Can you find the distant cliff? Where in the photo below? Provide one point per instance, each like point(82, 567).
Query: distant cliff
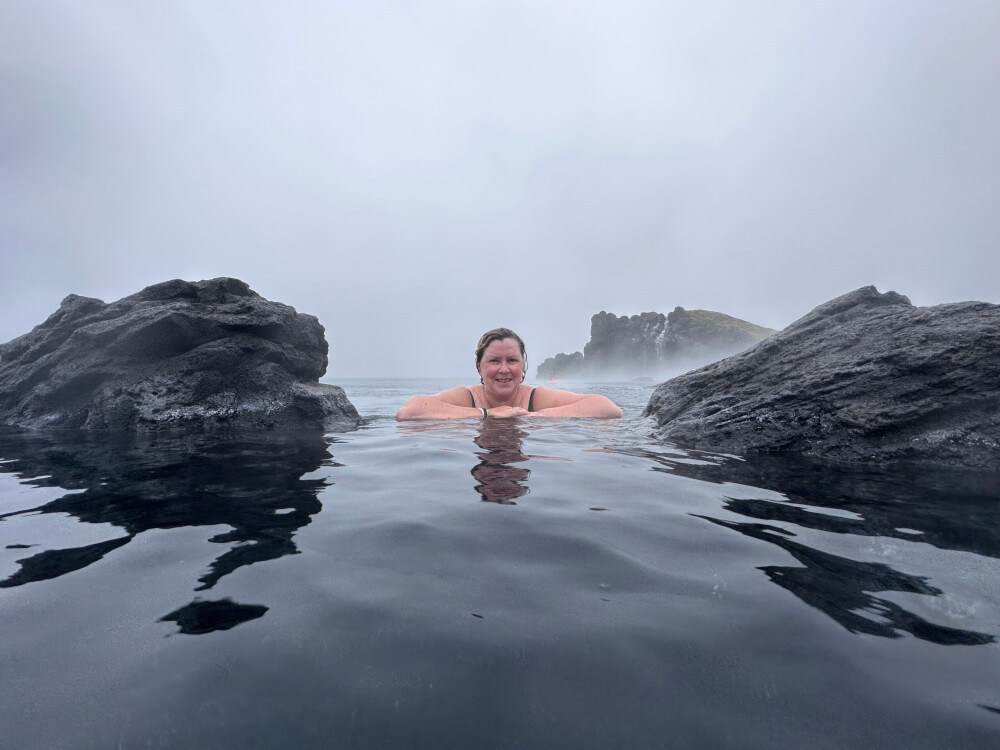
point(653, 344)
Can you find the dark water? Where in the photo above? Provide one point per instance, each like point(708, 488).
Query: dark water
point(508, 584)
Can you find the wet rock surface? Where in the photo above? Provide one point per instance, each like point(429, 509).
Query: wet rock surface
point(864, 377)
point(207, 353)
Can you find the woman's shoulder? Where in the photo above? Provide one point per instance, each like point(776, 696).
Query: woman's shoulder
point(544, 397)
point(460, 395)
point(543, 389)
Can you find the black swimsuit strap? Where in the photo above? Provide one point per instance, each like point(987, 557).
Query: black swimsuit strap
point(472, 398)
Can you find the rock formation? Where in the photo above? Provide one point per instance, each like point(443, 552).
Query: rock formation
point(864, 377)
point(653, 343)
point(207, 353)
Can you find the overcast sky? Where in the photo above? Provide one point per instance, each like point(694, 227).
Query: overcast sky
point(414, 173)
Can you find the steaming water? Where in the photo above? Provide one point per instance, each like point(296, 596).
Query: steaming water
point(525, 583)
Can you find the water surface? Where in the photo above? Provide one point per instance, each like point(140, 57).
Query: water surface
point(503, 583)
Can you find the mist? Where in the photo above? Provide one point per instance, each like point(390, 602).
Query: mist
point(415, 174)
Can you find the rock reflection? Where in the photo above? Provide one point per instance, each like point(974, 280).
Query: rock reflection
point(251, 482)
point(842, 588)
point(201, 617)
point(949, 510)
point(500, 481)
point(952, 510)
point(56, 562)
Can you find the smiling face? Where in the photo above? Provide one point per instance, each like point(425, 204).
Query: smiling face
point(502, 368)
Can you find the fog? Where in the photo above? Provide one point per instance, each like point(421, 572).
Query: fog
point(416, 173)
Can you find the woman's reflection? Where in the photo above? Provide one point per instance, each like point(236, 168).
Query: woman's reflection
point(499, 481)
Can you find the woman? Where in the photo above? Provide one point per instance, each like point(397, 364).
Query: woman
point(501, 361)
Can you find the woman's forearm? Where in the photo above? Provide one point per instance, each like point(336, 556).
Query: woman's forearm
point(429, 407)
point(588, 406)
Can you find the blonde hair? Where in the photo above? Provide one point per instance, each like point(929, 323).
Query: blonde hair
point(498, 334)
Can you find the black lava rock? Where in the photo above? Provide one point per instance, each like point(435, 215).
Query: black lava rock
point(864, 377)
point(206, 353)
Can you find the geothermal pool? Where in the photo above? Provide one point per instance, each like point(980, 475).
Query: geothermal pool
point(529, 583)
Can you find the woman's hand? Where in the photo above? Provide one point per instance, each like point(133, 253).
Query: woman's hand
point(507, 411)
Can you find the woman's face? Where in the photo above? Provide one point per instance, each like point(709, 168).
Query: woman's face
point(502, 366)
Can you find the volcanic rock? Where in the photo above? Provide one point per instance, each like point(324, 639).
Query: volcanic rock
point(206, 353)
point(863, 377)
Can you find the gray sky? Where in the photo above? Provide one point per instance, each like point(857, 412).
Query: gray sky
point(414, 173)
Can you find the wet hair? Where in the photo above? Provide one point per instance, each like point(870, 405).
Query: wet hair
point(498, 334)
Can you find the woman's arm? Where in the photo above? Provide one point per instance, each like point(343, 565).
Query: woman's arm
point(453, 404)
point(450, 404)
point(552, 402)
